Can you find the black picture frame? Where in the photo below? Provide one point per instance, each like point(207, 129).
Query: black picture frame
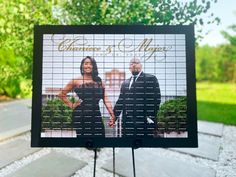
point(190, 141)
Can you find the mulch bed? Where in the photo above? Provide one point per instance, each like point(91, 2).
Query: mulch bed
point(4, 98)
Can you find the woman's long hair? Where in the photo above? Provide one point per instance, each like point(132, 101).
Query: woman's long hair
point(95, 76)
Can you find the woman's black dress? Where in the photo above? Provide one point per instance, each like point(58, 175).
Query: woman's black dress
point(87, 120)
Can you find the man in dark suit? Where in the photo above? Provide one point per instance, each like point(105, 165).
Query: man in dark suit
point(139, 102)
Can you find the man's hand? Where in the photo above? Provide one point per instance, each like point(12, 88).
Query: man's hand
point(149, 120)
point(112, 122)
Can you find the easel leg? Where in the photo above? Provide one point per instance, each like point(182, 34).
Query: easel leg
point(95, 160)
point(133, 162)
point(114, 160)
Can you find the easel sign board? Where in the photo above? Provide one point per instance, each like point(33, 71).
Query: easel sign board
point(114, 86)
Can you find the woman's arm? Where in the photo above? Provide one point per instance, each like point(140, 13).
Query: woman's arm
point(63, 94)
point(108, 105)
point(118, 108)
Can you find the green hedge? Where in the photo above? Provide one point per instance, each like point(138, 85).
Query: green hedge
point(56, 115)
point(172, 115)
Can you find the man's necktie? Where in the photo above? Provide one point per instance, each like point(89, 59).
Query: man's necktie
point(132, 81)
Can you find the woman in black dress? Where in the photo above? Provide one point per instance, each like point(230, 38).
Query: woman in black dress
point(87, 119)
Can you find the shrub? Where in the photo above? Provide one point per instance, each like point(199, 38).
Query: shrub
point(56, 115)
point(172, 115)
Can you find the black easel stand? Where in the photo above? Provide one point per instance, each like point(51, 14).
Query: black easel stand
point(95, 160)
point(134, 172)
point(114, 161)
point(136, 145)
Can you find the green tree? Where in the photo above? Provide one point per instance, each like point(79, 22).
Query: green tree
point(149, 12)
point(218, 63)
point(228, 62)
point(17, 19)
point(12, 81)
point(207, 62)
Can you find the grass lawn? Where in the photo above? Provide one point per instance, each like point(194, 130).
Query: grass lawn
point(216, 102)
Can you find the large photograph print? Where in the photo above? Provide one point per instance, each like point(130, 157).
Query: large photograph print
point(114, 86)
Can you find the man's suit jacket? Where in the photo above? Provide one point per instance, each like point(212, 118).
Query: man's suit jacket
point(139, 105)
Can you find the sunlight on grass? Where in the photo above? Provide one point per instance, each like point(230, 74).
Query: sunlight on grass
point(217, 102)
point(216, 92)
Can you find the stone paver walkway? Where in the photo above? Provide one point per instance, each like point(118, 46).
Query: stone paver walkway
point(15, 150)
point(148, 163)
point(15, 118)
point(208, 148)
point(51, 165)
point(210, 128)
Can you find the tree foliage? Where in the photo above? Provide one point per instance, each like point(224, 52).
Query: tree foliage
point(228, 63)
point(231, 38)
point(148, 12)
point(17, 19)
point(207, 61)
point(12, 80)
point(218, 63)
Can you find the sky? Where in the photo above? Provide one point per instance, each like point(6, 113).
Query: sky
point(226, 11)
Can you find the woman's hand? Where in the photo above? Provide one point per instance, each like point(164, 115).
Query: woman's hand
point(112, 122)
point(76, 104)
